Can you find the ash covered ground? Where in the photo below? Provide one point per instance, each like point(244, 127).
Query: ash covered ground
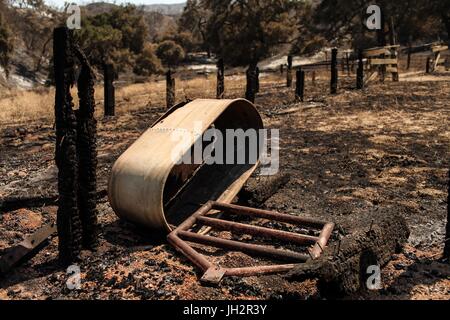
point(351, 155)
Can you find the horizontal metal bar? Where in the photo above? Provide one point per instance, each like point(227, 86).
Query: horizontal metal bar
point(243, 247)
point(198, 259)
point(324, 236)
point(287, 218)
point(258, 231)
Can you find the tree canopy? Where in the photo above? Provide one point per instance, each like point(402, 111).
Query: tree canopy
point(245, 31)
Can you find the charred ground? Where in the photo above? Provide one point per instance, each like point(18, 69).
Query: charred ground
point(350, 156)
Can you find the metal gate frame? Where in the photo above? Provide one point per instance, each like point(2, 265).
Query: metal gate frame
point(213, 274)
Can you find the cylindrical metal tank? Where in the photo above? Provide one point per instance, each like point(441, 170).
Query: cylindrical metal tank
point(149, 188)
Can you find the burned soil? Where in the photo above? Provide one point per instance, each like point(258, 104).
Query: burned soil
point(350, 156)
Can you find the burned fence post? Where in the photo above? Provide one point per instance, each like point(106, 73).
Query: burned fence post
point(282, 69)
point(289, 72)
point(428, 65)
point(447, 233)
point(109, 90)
point(347, 62)
point(220, 78)
point(334, 71)
point(360, 71)
point(257, 80)
point(87, 153)
point(68, 219)
point(393, 41)
point(408, 63)
point(251, 89)
point(170, 89)
point(300, 85)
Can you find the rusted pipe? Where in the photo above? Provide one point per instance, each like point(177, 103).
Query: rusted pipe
point(257, 231)
point(309, 222)
point(243, 247)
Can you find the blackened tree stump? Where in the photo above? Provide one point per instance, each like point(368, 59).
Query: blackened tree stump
point(342, 269)
point(68, 219)
point(87, 154)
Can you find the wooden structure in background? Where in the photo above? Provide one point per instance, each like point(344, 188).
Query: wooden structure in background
point(381, 60)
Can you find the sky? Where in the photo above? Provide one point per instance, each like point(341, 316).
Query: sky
point(60, 3)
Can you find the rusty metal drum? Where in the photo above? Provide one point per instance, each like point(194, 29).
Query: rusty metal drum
point(151, 187)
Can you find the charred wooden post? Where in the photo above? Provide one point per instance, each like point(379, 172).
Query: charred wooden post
point(393, 41)
point(220, 78)
point(87, 154)
point(257, 80)
point(428, 65)
point(250, 92)
point(259, 189)
point(289, 72)
point(110, 100)
point(300, 85)
point(347, 62)
point(408, 63)
point(360, 71)
point(282, 69)
point(334, 71)
point(447, 233)
point(170, 89)
point(313, 77)
point(68, 219)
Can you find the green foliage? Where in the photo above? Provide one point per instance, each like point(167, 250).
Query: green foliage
point(185, 39)
point(117, 36)
point(414, 20)
point(147, 63)
point(170, 53)
point(245, 31)
point(6, 44)
point(193, 20)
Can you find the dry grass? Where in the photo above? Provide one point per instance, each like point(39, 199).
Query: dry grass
point(20, 106)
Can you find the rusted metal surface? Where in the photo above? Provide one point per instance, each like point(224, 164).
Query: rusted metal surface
point(213, 274)
point(26, 248)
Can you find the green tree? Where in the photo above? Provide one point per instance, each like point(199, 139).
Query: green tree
point(419, 20)
point(245, 31)
point(170, 53)
point(6, 45)
point(147, 62)
point(117, 37)
point(194, 20)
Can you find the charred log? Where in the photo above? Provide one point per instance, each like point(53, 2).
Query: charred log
point(87, 154)
point(342, 269)
point(68, 219)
